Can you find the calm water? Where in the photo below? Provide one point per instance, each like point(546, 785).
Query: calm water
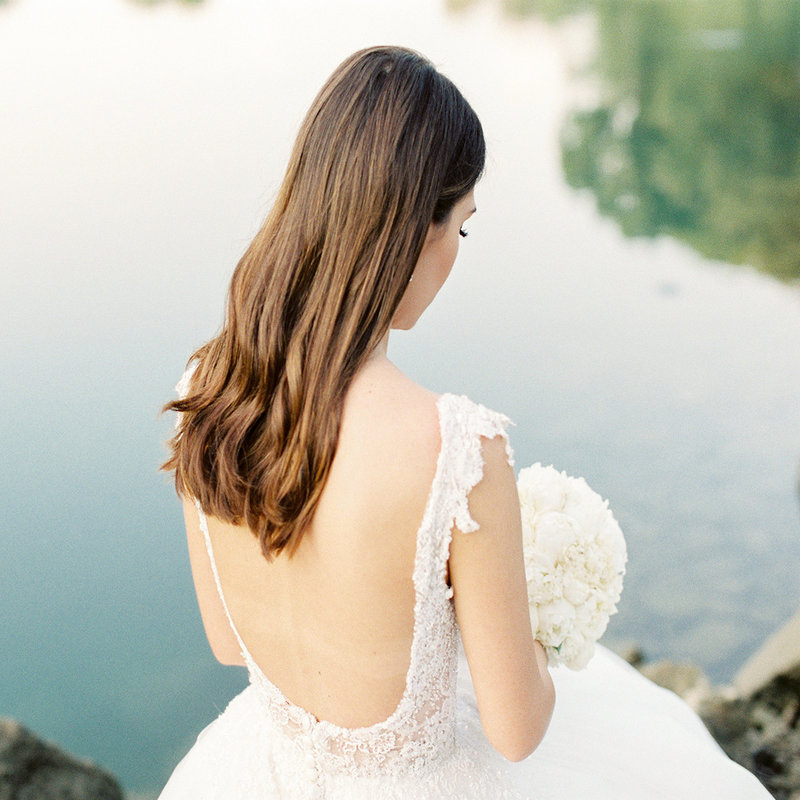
point(140, 146)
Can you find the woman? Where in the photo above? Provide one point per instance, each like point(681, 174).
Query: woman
point(345, 525)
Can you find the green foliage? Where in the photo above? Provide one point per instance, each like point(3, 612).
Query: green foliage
point(160, 2)
point(697, 131)
point(551, 10)
point(459, 5)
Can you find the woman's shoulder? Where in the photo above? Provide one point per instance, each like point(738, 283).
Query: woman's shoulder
point(380, 387)
point(396, 412)
point(385, 411)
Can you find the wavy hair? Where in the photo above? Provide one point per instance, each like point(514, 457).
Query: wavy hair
point(388, 147)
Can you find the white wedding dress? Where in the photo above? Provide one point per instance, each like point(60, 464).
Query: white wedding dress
point(613, 736)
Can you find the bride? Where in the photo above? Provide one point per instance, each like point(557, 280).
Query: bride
point(348, 530)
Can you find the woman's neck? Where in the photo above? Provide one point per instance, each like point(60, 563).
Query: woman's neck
point(382, 348)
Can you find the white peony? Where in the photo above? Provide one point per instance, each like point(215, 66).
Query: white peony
point(575, 558)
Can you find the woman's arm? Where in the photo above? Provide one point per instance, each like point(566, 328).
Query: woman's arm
point(509, 669)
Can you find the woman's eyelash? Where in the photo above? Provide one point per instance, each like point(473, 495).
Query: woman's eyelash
point(462, 232)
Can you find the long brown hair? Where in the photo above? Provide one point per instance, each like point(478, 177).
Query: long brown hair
point(388, 146)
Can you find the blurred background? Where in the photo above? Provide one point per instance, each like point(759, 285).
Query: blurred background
point(628, 294)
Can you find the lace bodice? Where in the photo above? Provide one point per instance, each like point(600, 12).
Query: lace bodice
point(421, 731)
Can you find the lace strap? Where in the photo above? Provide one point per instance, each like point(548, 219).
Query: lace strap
point(460, 468)
point(207, 536)
point(182, 386)
point(464, 423)
point(182, 389)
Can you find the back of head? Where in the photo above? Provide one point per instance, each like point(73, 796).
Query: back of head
point(388, 146)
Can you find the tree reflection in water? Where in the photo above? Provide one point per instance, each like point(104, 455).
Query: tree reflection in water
point(696, 129)
point(4, 3)
point(161, 2)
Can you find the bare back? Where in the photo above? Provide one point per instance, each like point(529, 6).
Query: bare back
point(332, 626)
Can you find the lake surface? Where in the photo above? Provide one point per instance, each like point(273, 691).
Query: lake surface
point(626, 295)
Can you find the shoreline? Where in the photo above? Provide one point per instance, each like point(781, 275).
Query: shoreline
point(756, 718)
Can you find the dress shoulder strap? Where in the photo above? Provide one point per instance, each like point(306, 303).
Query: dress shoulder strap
point(463, 424)
point(459, 469)
point(210, 550)
point(182, 386)
point(182, 389)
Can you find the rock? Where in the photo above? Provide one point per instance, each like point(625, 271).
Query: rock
point(761, 732)
point(31, 769)
point(759, 729)
point(686, 680)
point(631, 653)
point(777, 656)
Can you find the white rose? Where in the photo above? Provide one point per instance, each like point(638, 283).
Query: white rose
point(574, 562)
point(541, 490)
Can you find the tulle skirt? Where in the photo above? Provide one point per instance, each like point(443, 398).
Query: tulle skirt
point(614, 736)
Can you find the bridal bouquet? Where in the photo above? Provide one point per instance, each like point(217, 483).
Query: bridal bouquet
point(574, 562)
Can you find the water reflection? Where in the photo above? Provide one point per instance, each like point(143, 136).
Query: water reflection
point(162, 2)
point(551, 10)
point(694, 125)
point(5, 3)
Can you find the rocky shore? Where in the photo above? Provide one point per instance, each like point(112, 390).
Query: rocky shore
point(756, 720)
point(32, 769)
